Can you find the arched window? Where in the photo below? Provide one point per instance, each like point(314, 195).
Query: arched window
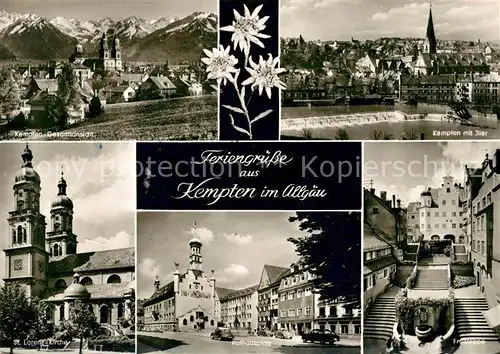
point(104, 314)
point(25, 239)
point(191, 318)
point(56, 250)
point(86, 281)
point(120, 310)
point(14, 240)
point(61, 312)
point(185, 322)
point(19, 234)
point(211, 322)
point(114, 279)
point(60, 283)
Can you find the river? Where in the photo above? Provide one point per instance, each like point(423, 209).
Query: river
point(483, 128)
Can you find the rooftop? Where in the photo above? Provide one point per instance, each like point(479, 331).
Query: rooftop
point(90, 261)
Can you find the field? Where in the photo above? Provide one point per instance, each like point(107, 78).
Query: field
point(187, 118)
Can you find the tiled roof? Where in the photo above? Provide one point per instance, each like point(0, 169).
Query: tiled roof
point(96, 291)
point(128, 77)
point(163, 292)
point(274, 273)
point(46, 84)
point(378, 264)
point(100, 260)
point(162, 82)
point(454, 59)
point(223, 292)
point(427, 79)
point(371, 243)
point(239, 293)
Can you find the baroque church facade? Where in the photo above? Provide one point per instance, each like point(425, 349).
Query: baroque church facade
point(109, 58)
point(46, 264)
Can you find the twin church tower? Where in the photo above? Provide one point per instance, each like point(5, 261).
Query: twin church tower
point(30, 247)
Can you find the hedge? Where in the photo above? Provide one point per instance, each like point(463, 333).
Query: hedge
point(114, 344)
point(461, 281)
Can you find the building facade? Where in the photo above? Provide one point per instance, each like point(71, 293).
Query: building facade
point(413, 222)
point(188, 302)
point(268, 306)
point(46, 263)
point(300, 311)
point(239, 309)
point(441, 212)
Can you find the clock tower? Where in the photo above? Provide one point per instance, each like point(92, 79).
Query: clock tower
point(26, 258)
point(61, 240)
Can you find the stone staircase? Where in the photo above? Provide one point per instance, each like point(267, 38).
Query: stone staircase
point(379, 322)
point(431, 279)
point(469, 320)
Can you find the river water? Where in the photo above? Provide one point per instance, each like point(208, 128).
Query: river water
point(483, 128)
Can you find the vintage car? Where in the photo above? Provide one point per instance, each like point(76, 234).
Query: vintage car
point(320, 335)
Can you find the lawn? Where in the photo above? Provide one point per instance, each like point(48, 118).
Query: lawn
point(187, 118)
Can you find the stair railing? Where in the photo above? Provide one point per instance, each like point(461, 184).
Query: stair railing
point(448, 268)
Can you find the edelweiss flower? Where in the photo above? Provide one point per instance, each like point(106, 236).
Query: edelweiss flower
point(220, 65)
point(247, 29)
point(265, 75)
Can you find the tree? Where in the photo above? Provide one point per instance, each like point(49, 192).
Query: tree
point(44, 327)
point(82, 321)
point(17, 315)
point(10, 98)
point(332, 251)
point(342, 134)
point(95, 107)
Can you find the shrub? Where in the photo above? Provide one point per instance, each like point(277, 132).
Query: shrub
point(405, 308)
point(460, 263)
point(114, 344)
point(462, 281)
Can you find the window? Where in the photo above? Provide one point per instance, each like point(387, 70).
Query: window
point(453, 213)
point(443, 214)
point(114, 279)
point(308, 311)
point(443, 202)
point(386, 273)
point(61, 283)
point(444, 226)
point(453, 202)
point(374, 210)
point(86, 281)
point(322, 312)
point(290, 296)
point(344, 329)
point(299, 312)
point(436, 226)
point(283, 313)
point(428, 213)
point(307, 292)
point(283, 297)
point(453, 226)
point(291, 312)
point(436, 213)
point(299, 293)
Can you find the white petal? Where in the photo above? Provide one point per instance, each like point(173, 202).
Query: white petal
point(261, 61)
point(261, 88)
point(252, 63)
point(262, 21)
point(247, 11)
point(262, 35)
point(268, 91)
point(248, 81)
point(236, 14)
point(207, 53)
point(255, 12)
point(228, 28)
point(206, 61)
point(257, 41)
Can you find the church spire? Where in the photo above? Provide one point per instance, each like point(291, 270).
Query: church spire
point(430, 35)
point(27, 157)
point(62, 184)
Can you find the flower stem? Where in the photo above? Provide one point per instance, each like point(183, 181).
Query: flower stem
point(243, 106)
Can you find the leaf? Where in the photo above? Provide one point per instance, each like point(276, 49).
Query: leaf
point(262, 115)
point(234, 109)
point(241, 130)
point(243, 91)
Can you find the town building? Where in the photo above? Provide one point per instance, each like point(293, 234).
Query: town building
point(46, 264)
point(188, 302)
point(379, 264)
point(413, 222)
point(268, 305)
point(441, 212)
point(428, 88)
point(479, 89)
point(108, 59)
point(239, 309)
point(300, 311)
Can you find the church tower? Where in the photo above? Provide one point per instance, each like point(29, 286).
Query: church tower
point(195, 254)
point(26, 258)
point(116, 53)
point(61, 240)
point(104, 50)
point(430, 45)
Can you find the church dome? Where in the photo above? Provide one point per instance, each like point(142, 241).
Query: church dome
point(62, 201)
point(426, 193)
point(76, 291)
point(194, 241)
point(27, 174)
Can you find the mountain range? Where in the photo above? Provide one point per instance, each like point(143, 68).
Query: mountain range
point(34, 37)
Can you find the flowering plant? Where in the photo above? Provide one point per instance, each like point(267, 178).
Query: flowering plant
point(263, 73)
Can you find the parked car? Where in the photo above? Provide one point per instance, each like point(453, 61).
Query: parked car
point(320, 335)
point(283, 334)
point(265, 333)
point(223, 334)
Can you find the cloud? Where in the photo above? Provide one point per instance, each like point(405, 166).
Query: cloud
point(238, 239)
point(398, 12)
point(205, 235)
point(236, 271)
point(120, 240)
point(149, 268)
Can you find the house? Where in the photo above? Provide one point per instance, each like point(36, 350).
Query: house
point(157, 87)
point(127, 78)
point(188, 88)
point(36, 85)
point(120, 93)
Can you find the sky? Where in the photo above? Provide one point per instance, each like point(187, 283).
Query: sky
point(368, 19)
point(100, 184)
point(236, 245)
point(84, 10)
point(406, 169)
